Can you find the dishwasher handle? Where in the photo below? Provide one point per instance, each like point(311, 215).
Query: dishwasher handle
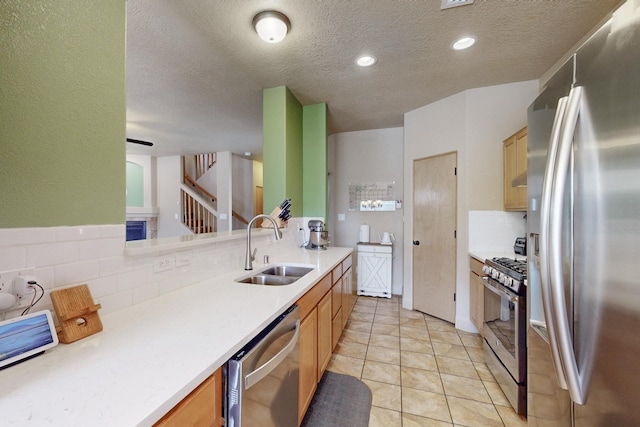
point(258, 374)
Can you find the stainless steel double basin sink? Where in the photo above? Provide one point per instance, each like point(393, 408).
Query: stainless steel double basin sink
point(276, 275)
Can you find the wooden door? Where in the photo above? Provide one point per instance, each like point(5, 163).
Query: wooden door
point(434, 235)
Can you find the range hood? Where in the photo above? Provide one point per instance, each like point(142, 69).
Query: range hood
point(520, 180)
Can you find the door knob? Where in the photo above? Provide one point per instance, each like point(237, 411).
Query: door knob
point(416, 242)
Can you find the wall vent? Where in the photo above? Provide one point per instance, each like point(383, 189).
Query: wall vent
point(446, 4)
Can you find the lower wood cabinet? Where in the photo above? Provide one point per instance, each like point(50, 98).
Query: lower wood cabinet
point(325, 344)
point(347, 295)
point(476, 294)
point(201, 408)
point(322, 311)
point(308, 368)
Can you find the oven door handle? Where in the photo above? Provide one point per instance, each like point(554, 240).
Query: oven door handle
point(500, 292)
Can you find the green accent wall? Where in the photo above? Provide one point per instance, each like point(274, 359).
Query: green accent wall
point(135, 185)
point(314, 160)
point(294, 153)
point(282, 149)
point(63, 112)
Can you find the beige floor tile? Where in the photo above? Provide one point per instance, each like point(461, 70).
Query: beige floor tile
point(351, 349)
point(356, 325)
point(442, 326)
point(410, 420)
point(385, 341)
point(362, 316)
point(446, 337)
point(383, 354)
point(424, 361)
point(363, 308)
point(417, 333)
point(471, 340)
point(411, 314)
point(418, 346)
point(450, 350)
point(421, 379)
point(465, 387)
point(382, 329)
point(370, 301)
point(412, 322)
point(425, 404)
point(382, 372)
point(356, 336)
point(386, 320)
point(483, 371)
point(475, 354)
point(461, 368)
point(388, 396)
point(380, 417)
point(471, 413)
point(346, 365)
point(510, 418)
point(496, 394)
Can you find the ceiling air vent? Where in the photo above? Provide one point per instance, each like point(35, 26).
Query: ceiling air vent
point(446, 4)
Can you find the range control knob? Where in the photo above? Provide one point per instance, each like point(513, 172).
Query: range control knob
point(486, 269)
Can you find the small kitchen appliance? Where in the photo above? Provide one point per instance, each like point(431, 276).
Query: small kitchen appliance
point(364, 233)
point(386, 238)
point(318, 236)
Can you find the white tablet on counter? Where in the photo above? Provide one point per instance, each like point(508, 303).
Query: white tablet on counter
point(24, 337)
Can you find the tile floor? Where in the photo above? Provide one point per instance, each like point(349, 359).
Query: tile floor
point(420, 369)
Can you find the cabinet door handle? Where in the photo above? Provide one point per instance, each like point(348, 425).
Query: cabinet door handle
point(416, 242)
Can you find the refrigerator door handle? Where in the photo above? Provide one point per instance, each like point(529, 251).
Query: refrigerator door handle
point(558, 303)
point(258, 374)
point(545, 280)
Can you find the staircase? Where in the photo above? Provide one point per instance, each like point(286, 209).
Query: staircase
point(198, 208)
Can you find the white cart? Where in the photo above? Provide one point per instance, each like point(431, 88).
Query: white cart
point(374, 269)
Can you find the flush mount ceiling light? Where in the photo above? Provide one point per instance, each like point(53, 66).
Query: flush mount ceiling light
point(366, 61)
point(464, 43)
point(271, 26)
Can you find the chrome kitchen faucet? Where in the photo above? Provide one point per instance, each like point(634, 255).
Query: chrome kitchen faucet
point(250, 257)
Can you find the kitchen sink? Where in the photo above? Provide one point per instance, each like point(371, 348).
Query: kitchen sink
point(264, 279)
point(277, 275)
point(287, 270)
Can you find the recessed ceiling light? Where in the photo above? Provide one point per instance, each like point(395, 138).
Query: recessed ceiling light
point(464, 43)
point(366, 61)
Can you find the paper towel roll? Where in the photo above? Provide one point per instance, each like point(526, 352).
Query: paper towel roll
point(364, 233)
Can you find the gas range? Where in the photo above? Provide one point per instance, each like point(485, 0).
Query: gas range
point(511, 273)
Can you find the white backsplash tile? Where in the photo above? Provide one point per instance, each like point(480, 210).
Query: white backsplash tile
point(495, 231)
point(93, 254)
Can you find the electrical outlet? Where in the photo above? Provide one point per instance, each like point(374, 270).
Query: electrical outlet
point(183, 258)
point(6, 285)
point(163, 263)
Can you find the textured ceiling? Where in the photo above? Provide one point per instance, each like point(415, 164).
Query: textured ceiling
point(196, 68)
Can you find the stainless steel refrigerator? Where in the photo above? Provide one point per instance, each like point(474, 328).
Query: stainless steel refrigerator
point(584, 235)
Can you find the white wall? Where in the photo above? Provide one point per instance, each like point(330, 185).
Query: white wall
point(168, 178)
point(473, 123)
point(362, 157)
point(242, 188)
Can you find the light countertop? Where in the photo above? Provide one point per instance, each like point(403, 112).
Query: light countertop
point(150, 356)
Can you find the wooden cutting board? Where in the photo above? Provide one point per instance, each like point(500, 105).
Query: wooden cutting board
point(76, 312)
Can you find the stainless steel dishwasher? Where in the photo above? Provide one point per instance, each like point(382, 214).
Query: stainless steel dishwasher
point(262, 379)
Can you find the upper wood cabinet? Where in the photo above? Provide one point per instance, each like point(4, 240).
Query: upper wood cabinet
point(515, 164)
